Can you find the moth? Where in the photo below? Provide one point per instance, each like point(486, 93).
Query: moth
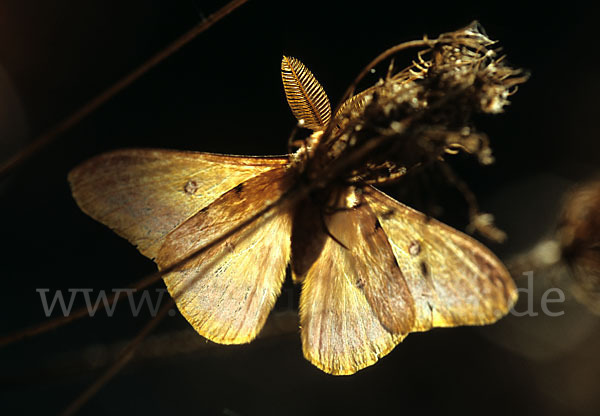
point(224, 229)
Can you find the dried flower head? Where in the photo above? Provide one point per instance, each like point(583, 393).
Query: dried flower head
point(418, 114)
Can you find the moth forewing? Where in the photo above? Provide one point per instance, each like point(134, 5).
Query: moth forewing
point(157, 199)
point(341, 332)
point(371, 262)
point(227, 291)
point(355, 306)
point(144, 194)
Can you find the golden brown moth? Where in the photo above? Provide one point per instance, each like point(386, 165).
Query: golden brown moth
point(225, 228)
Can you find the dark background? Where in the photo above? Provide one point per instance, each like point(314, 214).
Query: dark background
point(222, 93)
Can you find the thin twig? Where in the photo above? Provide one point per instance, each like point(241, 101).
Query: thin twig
point(382, 56)
point(78, 313)
point(377, 60)
point(123, 359)
point(51, 135)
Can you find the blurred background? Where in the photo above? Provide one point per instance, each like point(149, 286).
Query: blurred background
point(222, 93)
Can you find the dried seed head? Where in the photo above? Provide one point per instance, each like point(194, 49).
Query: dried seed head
point(418, 114)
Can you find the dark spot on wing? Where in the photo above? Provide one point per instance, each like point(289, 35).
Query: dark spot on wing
point(424, 269)
point(238, 189)
point(360, 283)
point(191, 187)
point(414, 248)
point(387, 213)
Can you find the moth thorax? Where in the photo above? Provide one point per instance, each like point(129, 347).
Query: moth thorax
point(306, 149)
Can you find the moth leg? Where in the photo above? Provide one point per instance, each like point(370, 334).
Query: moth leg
point(293, 143)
